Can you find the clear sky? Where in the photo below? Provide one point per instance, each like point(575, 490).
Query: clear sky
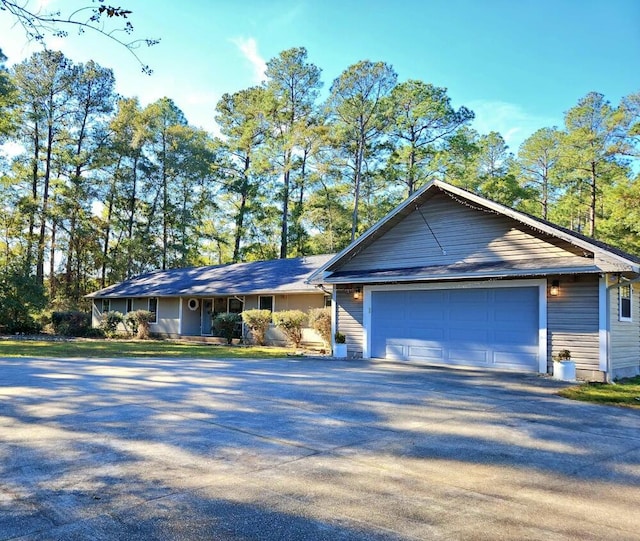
point(519, 64)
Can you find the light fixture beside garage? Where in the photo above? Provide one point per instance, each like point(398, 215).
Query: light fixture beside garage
point(554, 290)
point(357, 292)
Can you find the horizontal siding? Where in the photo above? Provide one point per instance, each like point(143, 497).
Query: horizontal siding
point(625, 335)
point(350, 321)
point(573, 321)
point(465, 235)
point(168, 316)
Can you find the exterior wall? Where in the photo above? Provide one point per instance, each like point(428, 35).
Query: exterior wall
point(624, 335)
point(191, 319)
point(465, 234)
point(573, 323)
point(349, 320)
point(96, 312)
point(168, 317)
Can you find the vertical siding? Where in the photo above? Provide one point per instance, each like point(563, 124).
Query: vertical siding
point(464, 234)
point(350, 320)
point(625, 335)
point(573, 321)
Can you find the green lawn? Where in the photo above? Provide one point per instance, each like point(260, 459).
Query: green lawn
point(133, 348)
point(623, 393)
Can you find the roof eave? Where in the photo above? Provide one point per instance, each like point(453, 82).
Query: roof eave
point(461, 276)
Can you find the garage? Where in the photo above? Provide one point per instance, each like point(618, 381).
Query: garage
point(484, 326)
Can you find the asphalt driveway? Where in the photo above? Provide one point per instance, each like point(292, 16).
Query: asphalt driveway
point(306, 449)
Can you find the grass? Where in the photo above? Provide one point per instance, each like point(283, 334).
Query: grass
point(625, 393)
point(134, 348)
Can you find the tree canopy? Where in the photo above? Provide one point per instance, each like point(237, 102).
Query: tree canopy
point(105, 188)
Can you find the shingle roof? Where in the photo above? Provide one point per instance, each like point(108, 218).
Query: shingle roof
point(275, 276)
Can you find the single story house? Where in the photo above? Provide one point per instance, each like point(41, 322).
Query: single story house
point(186, 300)
point(449, 277)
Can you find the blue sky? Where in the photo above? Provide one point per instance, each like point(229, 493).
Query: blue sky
point(519, 64)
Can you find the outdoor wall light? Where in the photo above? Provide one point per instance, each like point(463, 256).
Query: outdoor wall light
point(357, 291)
point(554, 290)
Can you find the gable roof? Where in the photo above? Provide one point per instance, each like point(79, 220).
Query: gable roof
point(331, 272)
point(260, 277)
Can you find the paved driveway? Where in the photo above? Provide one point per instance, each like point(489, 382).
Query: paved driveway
point(306, 449)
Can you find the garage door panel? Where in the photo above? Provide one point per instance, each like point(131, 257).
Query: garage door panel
point(468, 356)
point(432, 354)
point(477, 327)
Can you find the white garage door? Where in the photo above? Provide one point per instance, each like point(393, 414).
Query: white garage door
point(475, 327)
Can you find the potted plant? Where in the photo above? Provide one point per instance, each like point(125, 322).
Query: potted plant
point(564, 368)
point(340, 346)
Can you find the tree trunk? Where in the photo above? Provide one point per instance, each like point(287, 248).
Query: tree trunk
point(356, 189)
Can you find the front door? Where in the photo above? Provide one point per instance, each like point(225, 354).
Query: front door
point(207, 319)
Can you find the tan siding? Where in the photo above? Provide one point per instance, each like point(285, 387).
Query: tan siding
point(573, 321)
point(625, 335)
point(465, 234)
point(298, 302)
point(168, 316)
point(349, 321)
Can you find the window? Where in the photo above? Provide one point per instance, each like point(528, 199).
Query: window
point(624, 303)
point(265, 302)
point(235, 305)
point(106, 305)
point(129, 305)
point(153, 308)
point(327, 301)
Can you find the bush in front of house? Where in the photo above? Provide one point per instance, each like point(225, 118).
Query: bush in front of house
point(320, 321)
point(291, 322)
point(110, 321)
point(258, 322)
point(225, 324)
point(71, 323)
point(139, 322)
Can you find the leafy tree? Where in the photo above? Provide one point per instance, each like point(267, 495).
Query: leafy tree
point(8, 99)
point(21, 299)
point(590, 152)
point(497, 180)
point(537, 160)
point(356, 109)
point(294, 84)
point(242, 120)
point(422, 120)
point(44, 83)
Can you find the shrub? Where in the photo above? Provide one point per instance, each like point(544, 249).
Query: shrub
point(320, 321)
point(291, 323)
point(21, 299)
point(225, 323)
point(72, 323)
point(340, 338)
point(258, 322)
point(139, 321)
point(110, 322)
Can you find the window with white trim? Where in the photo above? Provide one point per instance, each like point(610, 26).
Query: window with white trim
point(106, 305)
point(153, 308)
point(265, 302)
point(624, 303)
